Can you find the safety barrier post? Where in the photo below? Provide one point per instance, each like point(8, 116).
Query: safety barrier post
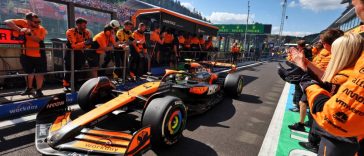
point(73, 71)
point(126, 55)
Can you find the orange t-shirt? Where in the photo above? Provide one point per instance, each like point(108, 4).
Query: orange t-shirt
point(202, 41)
point(103, 41)
point(187, 42)
point(155, 37)
point(168, 38)
point(235, 49)
point(208, 45)
point(195, 40)
point(75, 39)
point(181, 40)
point(40, 32)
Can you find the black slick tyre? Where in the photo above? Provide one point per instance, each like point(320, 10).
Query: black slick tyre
point(167, 118)
point(233, 85)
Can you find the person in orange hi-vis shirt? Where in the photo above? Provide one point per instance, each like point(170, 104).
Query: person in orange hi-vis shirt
point(33, 58)
point(235, 49)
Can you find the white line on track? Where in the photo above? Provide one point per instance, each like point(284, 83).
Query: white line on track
point(270, 143)
point(32, 117)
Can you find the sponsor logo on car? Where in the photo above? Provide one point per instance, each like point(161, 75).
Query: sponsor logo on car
point(23, 107)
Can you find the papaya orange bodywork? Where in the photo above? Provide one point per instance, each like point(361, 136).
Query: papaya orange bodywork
point(108, 133)
point(199, 90)
point(135, 142)
point(60, 122)
point(118, 102)
point(98, 147)
point(103, 140)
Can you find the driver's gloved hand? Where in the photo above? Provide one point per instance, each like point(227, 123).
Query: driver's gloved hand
point(291, 75)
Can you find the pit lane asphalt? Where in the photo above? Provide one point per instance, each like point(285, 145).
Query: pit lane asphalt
point(233, 127)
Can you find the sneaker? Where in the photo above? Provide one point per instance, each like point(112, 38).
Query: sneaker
point(309, 146)
point(307, 124)
point(27, 91)
point(66, 89)
point(295, 109)
point(38, 93)
point(297, 126)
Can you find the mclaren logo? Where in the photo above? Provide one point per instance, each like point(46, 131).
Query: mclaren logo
point(107, 141)
point(143, 138)
point(341, 117)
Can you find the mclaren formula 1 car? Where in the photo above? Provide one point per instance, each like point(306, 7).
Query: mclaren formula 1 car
point(162, 103)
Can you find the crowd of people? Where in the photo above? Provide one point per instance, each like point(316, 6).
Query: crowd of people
point(122, 12)
point(329, 82)
point(142, 49)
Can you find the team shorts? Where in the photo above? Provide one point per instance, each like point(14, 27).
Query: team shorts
point(93, 59)
point(33, 64)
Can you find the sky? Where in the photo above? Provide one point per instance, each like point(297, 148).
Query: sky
point(304, 16)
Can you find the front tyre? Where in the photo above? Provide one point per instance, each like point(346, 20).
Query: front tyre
point(167, 118)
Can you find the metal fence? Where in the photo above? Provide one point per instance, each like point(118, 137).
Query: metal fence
point(55, 57)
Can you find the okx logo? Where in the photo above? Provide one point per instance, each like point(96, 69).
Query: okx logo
point(341, 117)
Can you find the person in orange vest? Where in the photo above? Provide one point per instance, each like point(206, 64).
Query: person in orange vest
point(187, 46)
point(156, 43)
point(317, 47)
point(140, 60)
point(33, 59)
point(110, 55)
point(78, 39)
point(334, 118)
point(181, 43)
point(168, 53)
point(103, 41)
point(235, 49)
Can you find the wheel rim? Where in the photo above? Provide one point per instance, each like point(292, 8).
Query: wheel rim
point(174, 124)
point(240, 86)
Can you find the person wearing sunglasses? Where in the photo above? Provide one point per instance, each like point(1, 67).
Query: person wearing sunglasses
point(33, 58)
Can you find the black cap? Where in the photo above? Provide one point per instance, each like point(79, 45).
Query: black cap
point(81, 20)
point(127, 22)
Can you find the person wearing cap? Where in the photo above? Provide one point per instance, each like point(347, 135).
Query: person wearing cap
point(124, 36)
point(33, 58)
point(102, 42)
point(78, 38)
point(139, 55)
point(109, 55)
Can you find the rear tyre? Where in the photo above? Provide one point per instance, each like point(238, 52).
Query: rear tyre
point(95, 91)
point(167, 118)
point(234, 85)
